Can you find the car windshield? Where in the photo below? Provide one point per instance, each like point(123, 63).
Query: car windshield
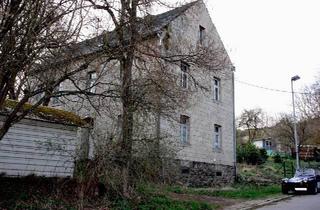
point(304, 172)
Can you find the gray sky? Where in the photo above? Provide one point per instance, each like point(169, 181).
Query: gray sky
point(269, 41)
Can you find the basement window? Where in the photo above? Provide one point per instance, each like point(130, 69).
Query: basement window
point(185, 170)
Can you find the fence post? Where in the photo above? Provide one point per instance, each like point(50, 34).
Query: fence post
point(284, 169)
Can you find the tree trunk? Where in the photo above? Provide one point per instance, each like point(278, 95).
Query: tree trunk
point(127, 121)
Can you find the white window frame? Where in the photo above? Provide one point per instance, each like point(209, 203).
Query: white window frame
point(184, 129)
point(216, 89)
point(184, 67)
point(91, 80)
point(217, 136)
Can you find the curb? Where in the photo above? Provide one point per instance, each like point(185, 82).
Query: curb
point(267, 202)
point(250, 205)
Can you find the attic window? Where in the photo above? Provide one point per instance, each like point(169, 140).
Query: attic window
point(201, 34)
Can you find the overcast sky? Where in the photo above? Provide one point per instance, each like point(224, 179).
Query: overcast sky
point(269, 41)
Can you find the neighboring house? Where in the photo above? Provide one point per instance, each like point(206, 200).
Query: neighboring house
point(204, 131)
point(266, 143)
point(307, 152)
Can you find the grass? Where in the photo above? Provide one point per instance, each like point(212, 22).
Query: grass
point(155, 197)
point(237, 192)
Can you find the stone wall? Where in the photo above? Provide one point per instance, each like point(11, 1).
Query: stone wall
point(203, 110)
point(200, 174)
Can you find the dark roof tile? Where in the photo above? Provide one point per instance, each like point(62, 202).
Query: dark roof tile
point(149, 25)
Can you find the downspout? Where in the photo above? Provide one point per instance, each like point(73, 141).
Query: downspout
point(234, 127)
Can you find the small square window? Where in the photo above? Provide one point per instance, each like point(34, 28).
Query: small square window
point(185, 170)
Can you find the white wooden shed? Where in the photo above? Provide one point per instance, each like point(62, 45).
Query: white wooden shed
point(38, 147)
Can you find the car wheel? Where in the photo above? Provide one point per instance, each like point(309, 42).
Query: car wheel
point(315, 190)
point(284, 190)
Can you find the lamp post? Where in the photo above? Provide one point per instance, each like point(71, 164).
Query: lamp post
point(295, 78)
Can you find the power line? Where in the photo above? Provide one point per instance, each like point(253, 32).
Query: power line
point(272, 89)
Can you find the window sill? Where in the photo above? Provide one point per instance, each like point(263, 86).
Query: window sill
point(217, 102)
point(187, 144)
point(218, 150)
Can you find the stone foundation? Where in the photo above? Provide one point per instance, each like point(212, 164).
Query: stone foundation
point(200, 174)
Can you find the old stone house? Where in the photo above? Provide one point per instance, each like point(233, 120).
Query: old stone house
point(203, 131)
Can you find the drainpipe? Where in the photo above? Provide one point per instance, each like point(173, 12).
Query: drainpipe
point(234, 126)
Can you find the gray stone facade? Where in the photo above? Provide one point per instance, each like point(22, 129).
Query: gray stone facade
point(201, 163)
point(201, 174)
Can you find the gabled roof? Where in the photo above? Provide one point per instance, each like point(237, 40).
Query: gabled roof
point(148, 26)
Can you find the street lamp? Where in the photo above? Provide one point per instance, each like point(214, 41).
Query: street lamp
point(295, 78)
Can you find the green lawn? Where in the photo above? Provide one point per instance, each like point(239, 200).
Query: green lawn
point(237, 192)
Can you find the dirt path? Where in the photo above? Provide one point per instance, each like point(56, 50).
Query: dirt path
point(223, 202)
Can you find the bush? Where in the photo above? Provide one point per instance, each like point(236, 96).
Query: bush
point(263, 155)
point(240, 154)
point(277, 158)
point(250, 154)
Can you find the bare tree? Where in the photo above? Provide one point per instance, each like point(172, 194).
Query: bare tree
point(35, 40)
point(252, 121)
point(309, 101)
point(147, 70)
point(309, 109)
point(283, 131)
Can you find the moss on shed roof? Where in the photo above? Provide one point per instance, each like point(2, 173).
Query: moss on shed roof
point(51, 114)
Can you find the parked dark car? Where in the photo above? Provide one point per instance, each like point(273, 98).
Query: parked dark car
point(304, 180)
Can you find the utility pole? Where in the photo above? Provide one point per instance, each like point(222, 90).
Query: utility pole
point(295, 78)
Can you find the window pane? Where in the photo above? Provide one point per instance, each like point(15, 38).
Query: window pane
point(216, 93)
point(92, 77)
point(201, 34)
point(184, 80)
point(184, 76)
point(184, 128)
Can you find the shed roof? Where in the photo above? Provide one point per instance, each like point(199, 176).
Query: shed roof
point(49, 114)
